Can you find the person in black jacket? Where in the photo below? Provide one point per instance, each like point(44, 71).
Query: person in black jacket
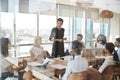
point(117, 52)
point(57, 36)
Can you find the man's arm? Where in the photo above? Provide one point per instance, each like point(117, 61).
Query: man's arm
point(68, 71)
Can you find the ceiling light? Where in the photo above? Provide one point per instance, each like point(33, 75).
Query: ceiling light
point(106, 14)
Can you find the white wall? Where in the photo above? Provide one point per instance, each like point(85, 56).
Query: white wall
point(115, 26)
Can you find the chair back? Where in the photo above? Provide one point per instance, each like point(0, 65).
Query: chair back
point(88, 53)
point(107, 74)
point(78, 76)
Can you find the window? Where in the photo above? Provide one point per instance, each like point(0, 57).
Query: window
point(46, 23)
point(77, 26)
point(89, 35)
point(105, 27)
point(96, 29)
point(7, 23)
point(26, 28)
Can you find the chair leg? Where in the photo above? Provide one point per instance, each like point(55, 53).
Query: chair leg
point(115, 77)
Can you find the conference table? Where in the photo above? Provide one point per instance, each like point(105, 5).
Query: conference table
point(56, 67)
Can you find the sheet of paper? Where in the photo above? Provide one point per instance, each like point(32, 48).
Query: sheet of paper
point(58, 66)
point(38, 64)
point(14, 61)
point(45, 61)
point(34, 64)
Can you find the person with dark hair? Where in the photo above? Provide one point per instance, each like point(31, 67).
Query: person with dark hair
point(101, 41)
point(6, 68)
point(109, 51)
point(57, 36)
point(117, 55)
point(79, 63)
point(5, 44)
point(79, 39)
point(46, 54)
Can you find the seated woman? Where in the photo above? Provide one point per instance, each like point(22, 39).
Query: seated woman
point(101, 41)
point(37, 52)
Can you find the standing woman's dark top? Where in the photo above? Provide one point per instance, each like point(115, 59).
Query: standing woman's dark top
point(57, 36)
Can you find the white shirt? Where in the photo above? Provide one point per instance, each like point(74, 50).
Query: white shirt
point(38, 52)
point(4, 64)
point(79, 64)
point(118, 52)
point(98, 45)
point(108, 61)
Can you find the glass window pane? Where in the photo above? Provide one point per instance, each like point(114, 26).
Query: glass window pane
point(7, 25)
point(77, 26)
point(46, 23)
point(47, 47)
point(26, 28)
point(23, 51)
point(89, 35)
point(67, 25)
point(96, 29)
point(105, 29)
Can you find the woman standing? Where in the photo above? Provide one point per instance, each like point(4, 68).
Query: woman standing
point(56, 36)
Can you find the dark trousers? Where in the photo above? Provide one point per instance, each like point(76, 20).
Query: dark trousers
point(6, 74)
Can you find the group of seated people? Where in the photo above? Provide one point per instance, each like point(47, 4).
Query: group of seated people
point(78, 64)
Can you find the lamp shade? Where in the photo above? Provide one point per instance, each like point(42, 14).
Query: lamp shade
point(106, 14)
point(82, 2)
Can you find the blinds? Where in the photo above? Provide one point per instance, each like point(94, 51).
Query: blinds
point(75, 11)
point(105, 20)
point(70, 11)
point(79, 12)
point(24, 6)
point(43, 7)
point(66, 11)
point(92, 13)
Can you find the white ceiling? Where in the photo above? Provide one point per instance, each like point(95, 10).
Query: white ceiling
point(113, 5)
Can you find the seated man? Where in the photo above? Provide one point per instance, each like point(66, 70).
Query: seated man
point(109, 50)
point(117, 55)
point(79, 63)
point(97, 74)
point(79, 39)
